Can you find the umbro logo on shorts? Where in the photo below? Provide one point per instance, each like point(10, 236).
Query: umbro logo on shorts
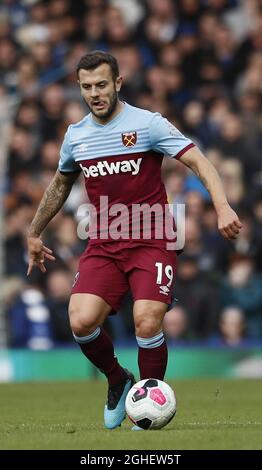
point(164, 290)
point(104, 168)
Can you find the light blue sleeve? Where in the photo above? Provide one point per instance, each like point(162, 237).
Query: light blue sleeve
point(66, 162)
point(166, 138)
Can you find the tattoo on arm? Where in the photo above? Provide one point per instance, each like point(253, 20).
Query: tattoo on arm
point(52, 201)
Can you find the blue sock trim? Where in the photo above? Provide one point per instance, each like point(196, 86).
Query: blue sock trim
point(150, 343)
point(88, 338)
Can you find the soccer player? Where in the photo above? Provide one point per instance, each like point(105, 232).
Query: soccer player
point(119, 149)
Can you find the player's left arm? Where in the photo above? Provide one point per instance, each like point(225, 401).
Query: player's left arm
point(229, 224)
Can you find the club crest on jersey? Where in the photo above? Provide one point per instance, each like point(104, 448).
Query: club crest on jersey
point(129, 138)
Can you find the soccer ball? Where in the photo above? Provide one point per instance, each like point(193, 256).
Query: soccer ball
point(151, 404)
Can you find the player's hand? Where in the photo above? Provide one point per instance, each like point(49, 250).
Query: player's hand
point(37, 253)
point(229, 224)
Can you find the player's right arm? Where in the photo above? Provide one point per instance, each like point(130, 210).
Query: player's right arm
point(52, 201)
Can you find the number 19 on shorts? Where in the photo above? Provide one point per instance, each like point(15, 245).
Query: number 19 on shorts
point(165, 271)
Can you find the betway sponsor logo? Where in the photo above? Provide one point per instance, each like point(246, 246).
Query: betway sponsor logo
point(104, 168)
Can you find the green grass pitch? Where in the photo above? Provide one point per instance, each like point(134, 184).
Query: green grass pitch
point(211, 414)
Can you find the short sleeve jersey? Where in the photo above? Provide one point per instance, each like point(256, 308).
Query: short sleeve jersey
point(122, 159)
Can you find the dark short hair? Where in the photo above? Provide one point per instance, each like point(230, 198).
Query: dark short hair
point(92, 60)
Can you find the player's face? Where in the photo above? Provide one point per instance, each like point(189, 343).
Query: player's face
point(100, 91)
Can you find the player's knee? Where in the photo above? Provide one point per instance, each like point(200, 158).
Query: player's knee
point(81, 323)
point(80, 328)
point(147, 327)
point(148, 323)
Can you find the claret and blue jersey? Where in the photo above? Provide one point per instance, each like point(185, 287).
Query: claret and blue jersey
point(122, 159)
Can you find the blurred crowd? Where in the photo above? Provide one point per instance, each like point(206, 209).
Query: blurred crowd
point(199, 63)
